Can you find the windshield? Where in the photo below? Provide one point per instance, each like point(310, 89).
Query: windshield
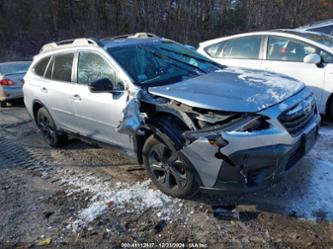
point(160, 63)
point(317, 37)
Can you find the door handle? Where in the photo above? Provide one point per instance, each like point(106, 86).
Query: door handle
point(43, 90)
point(77, 97)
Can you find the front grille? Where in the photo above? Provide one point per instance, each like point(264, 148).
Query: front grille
point(297, 117)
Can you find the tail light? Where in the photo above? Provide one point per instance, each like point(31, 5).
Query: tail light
point(6, 82)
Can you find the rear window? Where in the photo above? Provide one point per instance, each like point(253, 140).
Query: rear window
point(39, 69)
point(62, 67)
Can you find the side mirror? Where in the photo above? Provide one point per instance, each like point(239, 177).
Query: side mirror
point(312, 59)
point(101, 86)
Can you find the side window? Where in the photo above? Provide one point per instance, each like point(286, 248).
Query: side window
point(39, 69)
point(325, 29)
point(285, 49)
point(92, 67)
point(215, 50)
point(238, 48)
point(62, 67)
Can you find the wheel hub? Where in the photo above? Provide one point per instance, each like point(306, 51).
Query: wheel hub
point(167, 167)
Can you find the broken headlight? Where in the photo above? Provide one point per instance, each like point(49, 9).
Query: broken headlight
point(242, 123)
point(256, 123)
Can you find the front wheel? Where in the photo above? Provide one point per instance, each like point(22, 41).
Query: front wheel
point(47, 126)
point(166, 169)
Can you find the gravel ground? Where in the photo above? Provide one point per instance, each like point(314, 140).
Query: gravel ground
point(82, 196)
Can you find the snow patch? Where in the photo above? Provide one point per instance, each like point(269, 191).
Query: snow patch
point(141, 197)
point(122, 196)
point(326, 131)
point(307, 191)
point(88, 214)
point(315, 201)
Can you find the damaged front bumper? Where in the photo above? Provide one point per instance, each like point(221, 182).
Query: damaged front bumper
point(249, 161)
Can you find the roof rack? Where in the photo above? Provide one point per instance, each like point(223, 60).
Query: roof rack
point(143, 35)
point(71, 42)
point(135, 35)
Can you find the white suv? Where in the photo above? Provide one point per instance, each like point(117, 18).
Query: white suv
point(191, 122)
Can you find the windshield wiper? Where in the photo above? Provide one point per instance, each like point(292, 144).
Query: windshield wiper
point(190, 56)
point(173, 59)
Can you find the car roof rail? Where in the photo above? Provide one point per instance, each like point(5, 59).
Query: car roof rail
point(69, 42)
point(144, 35)
point(135, 35)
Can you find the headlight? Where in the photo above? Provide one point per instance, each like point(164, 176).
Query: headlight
point(255, 124)
point(244, 123)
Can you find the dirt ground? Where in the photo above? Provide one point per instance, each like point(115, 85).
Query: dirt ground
point(83, 196)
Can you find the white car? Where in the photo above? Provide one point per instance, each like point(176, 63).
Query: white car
point(192, 124)
point(306, 56)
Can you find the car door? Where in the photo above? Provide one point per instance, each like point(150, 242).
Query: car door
point(98, 114)
point(55, 88)
point(285, 55)
point(238, 52)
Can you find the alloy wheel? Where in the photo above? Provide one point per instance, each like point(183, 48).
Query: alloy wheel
point(168, 169)
point(46, 128)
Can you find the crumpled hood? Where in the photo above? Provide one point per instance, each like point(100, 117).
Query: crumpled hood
point(232, 89)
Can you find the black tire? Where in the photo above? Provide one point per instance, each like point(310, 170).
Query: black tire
point(166, 169)
point(47, 126)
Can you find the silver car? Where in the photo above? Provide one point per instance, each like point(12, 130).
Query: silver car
point(192, 123)
point(11, 80)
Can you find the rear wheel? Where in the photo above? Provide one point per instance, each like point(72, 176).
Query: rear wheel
point(169, 172)
point(47, 126)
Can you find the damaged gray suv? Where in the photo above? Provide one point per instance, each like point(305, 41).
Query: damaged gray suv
point(192, 123)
